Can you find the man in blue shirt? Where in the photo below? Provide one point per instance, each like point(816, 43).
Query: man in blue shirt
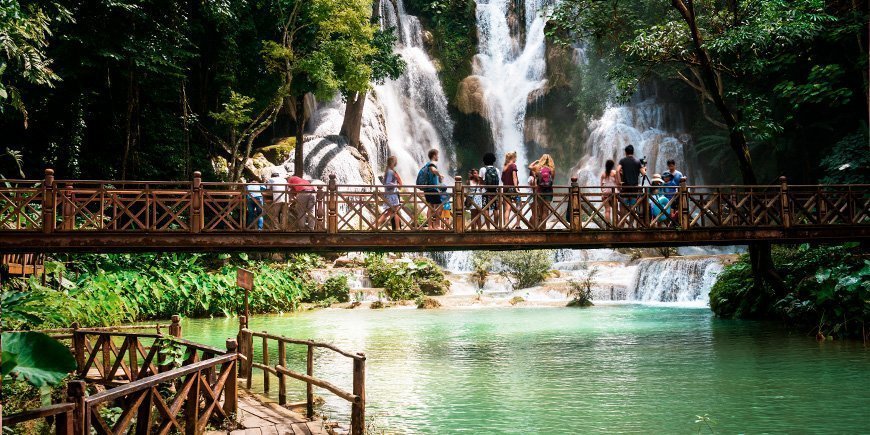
point(671, 179)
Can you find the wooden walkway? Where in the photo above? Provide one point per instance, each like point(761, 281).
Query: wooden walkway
point(262, 416)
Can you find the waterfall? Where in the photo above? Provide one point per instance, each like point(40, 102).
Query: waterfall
point(675, 279)
point(509, 70)
point(644, 125)
point(414, 105)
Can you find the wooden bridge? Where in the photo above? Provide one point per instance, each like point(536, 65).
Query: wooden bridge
point(80, 215)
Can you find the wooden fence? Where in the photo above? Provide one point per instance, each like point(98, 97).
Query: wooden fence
point(155, 393)
point(278, 368)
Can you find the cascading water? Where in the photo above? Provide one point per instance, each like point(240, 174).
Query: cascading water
point(509, 70)
point(676, 279)
point(415, 107)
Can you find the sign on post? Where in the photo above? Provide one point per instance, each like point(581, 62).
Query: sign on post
point(245, 280)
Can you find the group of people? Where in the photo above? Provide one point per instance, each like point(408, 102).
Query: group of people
point(486, 185)
point(626, 178)
point(292, 206)
point(497, 197)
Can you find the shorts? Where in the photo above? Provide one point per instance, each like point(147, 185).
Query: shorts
point(433, 198)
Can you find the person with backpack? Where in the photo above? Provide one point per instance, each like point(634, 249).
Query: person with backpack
point(430, 177)
point(545, 174)
point(490, 175)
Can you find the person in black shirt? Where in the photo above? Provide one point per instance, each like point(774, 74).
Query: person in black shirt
point(629, 172)
point(630, 169)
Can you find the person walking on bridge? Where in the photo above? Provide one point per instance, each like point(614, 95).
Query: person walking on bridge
point(392, 182)
point(430, 177)
point(304, 194)
point(545, 174)
point(510, 180)
point(609, 187)
point(255, 203)
point(278, 186)
point(490, 175)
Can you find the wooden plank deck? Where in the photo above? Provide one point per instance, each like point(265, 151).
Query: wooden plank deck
point(261, 416)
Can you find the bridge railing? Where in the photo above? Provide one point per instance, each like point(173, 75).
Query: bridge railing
point(206, 207)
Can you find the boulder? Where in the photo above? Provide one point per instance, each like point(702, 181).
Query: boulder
point(470, 97)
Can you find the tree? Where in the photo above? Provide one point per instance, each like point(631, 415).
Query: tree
point(384, 64)
point(24, 36)
point(719, 50)
point(321, 49)
point(242, 128)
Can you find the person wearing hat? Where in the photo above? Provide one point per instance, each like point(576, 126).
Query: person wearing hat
point(660, 204)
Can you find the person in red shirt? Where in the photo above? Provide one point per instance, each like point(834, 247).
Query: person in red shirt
point(303, 194)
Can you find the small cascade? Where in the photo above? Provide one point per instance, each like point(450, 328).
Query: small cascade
point(675, 279)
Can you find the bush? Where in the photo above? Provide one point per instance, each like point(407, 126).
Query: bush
point(406, 280)
point(525, 268)
point(516, 300)
point(830, 290)
point(113, 289)
point(335, 288)
point(581, 291)
point(427, 303)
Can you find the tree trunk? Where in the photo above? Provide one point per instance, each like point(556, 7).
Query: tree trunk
point(760, 256)
point(299, 152)
point(352, 124)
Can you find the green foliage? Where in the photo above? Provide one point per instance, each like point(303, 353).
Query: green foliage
point(454, 37)
point(36, 358)
point(113, 289)
point(406, 279)
point(848, 162)
point(581, 291)
point(335, 288)
point(789, 73)
point(174, 353)
point(524, 268)
point(830, 290)
point(25, 30)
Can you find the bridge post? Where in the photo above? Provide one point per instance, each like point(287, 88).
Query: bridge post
point(67, 209)
point(685, 217)
point(458, 206)
point(331, 206)
point(574, 204)
point(196, 203)
point(231, 387)
point(783, 202)
point(48, 199)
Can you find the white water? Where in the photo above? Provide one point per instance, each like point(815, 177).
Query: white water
point(675, 279)
point(643, 125)
point(414, 105)
point(509, 69)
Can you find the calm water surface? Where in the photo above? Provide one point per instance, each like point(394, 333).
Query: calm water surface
point(607, 369)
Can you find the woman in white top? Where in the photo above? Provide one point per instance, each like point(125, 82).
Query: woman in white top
point(609, 188)
point(392, 182)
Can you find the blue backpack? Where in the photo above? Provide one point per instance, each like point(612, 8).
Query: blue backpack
point(427, 178)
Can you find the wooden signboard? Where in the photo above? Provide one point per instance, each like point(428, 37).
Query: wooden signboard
point(245, 279)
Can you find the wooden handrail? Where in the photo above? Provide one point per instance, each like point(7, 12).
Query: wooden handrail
point(33, 414)
point(151, 381)
point(319, 383)
point(279, 369)
point(305, 342)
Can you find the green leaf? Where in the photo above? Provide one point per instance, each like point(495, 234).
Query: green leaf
point(10, 360)
point(39, 359)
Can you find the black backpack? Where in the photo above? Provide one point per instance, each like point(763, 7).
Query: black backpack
point(490, 178)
